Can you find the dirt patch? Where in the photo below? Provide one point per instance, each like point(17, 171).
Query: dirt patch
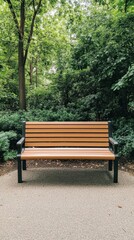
point(127, 166)
point(7, 167)
point(124, 165)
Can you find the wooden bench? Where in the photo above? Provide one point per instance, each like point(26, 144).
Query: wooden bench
point(67, 140)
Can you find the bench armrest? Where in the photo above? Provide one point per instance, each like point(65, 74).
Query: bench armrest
point(20, 144)
point(113, 145)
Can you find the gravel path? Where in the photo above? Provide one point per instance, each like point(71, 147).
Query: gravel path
point(66, 204)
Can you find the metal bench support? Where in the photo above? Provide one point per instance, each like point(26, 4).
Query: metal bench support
point(116, 170)
point(24, 165)
point(19, 171)
point(110, 165)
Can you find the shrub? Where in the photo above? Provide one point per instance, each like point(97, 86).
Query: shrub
point(6, 139)
point(41, 98)
point(124, 134)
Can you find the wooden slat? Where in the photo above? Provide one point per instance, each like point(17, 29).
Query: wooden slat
point(80, 126)
point(97, 135)
point(67, 153)
point(69, 139)
point(58, 134)
point(55, 149)
point(69, 123)
point(96, 130)
point(66, 144)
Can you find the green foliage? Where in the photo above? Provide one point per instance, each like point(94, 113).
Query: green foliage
point(126, 80)
point(103, 59)
point(10, 121)
point(80, 66)
point(8, 57)
point(120, 5)
point(42, 98)
point(125, 136)
point(6, 139)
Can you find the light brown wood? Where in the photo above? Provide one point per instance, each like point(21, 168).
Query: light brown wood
point(70, 126)
point(101, 149)
point(62, 130)
point(67, 139)
point(68, 122)
point(68, 153)
point(41, 135)
point(66, 144)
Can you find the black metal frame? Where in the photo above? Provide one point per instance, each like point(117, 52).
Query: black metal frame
point(110, 165)
point(20, 146)
point(113, 146)
point(19, 170)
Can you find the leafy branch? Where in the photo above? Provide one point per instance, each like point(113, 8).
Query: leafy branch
point(20, 29)
point(14, 18)
point(31, 28)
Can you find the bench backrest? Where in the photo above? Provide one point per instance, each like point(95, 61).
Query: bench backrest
point(66, 134)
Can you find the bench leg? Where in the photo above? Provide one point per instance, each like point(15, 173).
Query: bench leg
point(116, 170)
point(19, 171)
point(110, 165)
point(24, 165)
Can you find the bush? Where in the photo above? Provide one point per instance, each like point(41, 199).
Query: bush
point(6, 139)
point(13, 120)
point(41, 98)
point(124, 134)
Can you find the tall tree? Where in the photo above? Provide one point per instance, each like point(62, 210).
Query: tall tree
point(23, 48)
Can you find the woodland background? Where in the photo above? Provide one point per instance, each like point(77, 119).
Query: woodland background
point(64, 61)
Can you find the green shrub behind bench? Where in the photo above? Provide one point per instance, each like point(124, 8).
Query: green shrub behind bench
point(6, 151)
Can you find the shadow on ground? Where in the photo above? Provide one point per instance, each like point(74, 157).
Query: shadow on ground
point(67, 177)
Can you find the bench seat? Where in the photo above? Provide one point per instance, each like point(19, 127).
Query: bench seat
point(67, 153)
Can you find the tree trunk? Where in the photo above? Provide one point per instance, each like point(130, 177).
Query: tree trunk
point(125, 6)
point(22, 95)
point(22, 55)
